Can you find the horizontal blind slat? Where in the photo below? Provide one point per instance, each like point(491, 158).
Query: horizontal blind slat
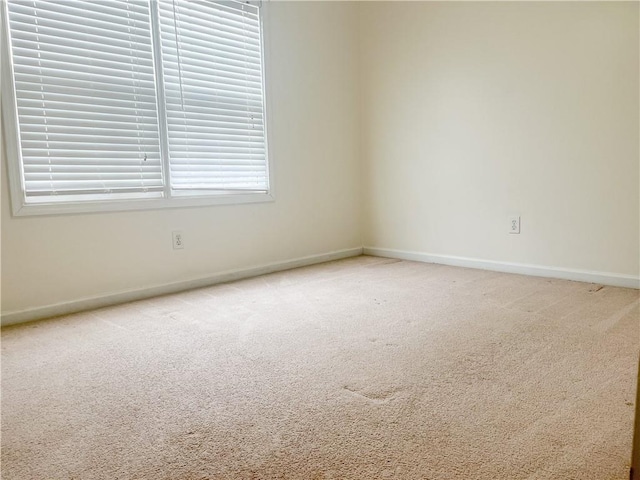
point(110, 12)
point(48, 24)
point(214, 158)
point(87, 19)
point(197, 92)
point(92, 162)
point(86, 98)
point(108, 53)
point(113, 77)
point(78, 134)
point(241, 41)
point(214, 10)
point(48, 36)
point(113, 8)
point(238, 59)
point(85, 82)
point(91, 186)
point(216, 75)
point(201, 57)
point(223, 75)
point(73, 60)
point(214, 97)
point(31, 90)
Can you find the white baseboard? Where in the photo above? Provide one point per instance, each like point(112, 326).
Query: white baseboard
point(603, 278)
point(74, 306)
point(22, 316)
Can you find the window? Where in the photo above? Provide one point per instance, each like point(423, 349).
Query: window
point(130, 103)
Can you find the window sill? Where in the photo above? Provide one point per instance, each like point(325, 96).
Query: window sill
point(21, 209)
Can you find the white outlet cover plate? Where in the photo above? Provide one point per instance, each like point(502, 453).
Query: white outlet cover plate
point(514, 223)
point(178, 240)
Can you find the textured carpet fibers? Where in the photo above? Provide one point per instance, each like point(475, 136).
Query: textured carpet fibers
point(366, 368)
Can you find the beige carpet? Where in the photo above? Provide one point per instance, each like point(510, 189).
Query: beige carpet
point(366, 368)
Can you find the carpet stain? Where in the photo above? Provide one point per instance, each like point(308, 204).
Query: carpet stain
point(375, 394)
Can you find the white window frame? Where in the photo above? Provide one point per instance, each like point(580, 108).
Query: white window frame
point(11, 139)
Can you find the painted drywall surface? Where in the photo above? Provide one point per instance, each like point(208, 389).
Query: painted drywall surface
point(312, 75)
point(473, 111)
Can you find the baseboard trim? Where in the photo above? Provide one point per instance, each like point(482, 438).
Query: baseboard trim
point(75, 306)
point(604, 278)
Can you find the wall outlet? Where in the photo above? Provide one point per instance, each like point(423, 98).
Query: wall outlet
point(178, 241)
point(514, 224)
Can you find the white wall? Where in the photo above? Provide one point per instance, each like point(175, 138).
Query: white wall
point(312, 78)
point(471, 111)
point(448, 117)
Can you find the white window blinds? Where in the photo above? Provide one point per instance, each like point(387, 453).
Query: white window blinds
point(85, 93)
point(92, 77)
point(211, 54)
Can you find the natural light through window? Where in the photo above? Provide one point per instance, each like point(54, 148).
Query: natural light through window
point(134, 103)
